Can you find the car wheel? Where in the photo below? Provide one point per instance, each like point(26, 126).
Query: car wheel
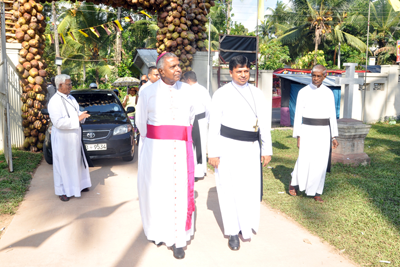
point(47, 154)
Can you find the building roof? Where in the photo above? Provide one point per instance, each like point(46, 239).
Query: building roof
point(306, 79)
point(146, 57)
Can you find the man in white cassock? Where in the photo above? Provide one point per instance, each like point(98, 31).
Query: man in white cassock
point(164, 115)
point(153, 75)
point(239, 141)
point(70, 166)
point(200, 124)
point(315, 128)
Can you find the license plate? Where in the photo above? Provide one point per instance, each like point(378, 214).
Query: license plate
point(93, 147)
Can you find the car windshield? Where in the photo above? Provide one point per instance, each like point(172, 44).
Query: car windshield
point(98, 103)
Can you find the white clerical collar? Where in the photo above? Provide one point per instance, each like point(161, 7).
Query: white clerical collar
point(167, 85)
point(240, 86)
point(62, 94)
point(312, 86)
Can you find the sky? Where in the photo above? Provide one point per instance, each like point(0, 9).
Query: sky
point(245, 11)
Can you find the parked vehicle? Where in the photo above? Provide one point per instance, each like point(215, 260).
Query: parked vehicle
point(107, 133)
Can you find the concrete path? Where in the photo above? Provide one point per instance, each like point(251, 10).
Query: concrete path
point(103, 228)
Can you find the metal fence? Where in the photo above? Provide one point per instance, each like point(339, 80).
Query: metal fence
point(4, 101)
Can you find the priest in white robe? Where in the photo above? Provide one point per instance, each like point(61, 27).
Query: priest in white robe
point(239, 141)
point(164, 115)
point(315, 128)
point(200, 124)
point(70, 167)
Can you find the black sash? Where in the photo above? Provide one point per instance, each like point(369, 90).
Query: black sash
point(196, 137)
point(247, 137)
point(322, 122)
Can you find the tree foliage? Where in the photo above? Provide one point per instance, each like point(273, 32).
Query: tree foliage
point(273, 55)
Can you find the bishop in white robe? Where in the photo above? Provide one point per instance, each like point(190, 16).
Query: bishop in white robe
point(200, 125)
point(165, 189)
point(240, 108)
point(70, 167)
point(314, 125)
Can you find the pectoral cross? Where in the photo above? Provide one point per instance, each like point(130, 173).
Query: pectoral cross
point(256, 126)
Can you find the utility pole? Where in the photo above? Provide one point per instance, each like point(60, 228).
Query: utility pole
point(118, 41)
point(53, 11)
point(228, 16)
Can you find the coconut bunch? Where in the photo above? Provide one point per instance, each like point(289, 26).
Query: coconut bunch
point(181, 24)
point(30, 26)
point(182, 29)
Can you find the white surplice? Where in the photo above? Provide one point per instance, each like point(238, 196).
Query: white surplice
point(238, 174)
point(69, 171)
point(310, 169)
point(162, 174)
point(203, 103)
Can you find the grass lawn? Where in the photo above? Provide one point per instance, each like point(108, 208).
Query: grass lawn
point(14, 185)
point(361, 212)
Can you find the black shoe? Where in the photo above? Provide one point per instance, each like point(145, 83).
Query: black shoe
point(85, 190)
point(63, 198)
point(179, 253)
point(234, 242)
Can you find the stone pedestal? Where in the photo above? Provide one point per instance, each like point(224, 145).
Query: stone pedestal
point(351, 143)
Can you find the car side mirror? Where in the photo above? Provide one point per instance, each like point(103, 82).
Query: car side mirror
point(130, 109)
point(45, 111)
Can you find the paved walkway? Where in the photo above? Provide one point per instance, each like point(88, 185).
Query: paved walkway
point(103, 228)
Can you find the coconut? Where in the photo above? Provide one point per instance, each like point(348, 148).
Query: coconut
point(25, 74)
point(176, 14)
point(24, 28)
point(183, 58)
point(183, 20)
point(27, 66)
point(39, 7)
point(169, 19)
point(19, 35)
point(175, 36)
point(34, 63)
point(37, 88)
point(185, 42)
point(34, 72)
point(179, 40)
point(31, 33)
point(38, 57)
point(27, 37)
point(33, 50)
point(20, 68)
point(176, 22)
point(27, 133)
point(21, 21)
point(178, 52)
point(40, 17)
point(29, 57)
point(16, 6)
point(39, 145)
point(34, 12)
point(168, 36)
point(183, 27)
point(39, 80)
point(33, 26)
point(31, 80)
point(190, 36)
point(189, 57)
point(27, 16)
point(184, 34)
point(200, 44)
point(25, 45)
point(42, 73)
point(171, 27)
point(28, 7)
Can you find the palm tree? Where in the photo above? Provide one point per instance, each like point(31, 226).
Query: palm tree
point(317, 20)
point(81, 50)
